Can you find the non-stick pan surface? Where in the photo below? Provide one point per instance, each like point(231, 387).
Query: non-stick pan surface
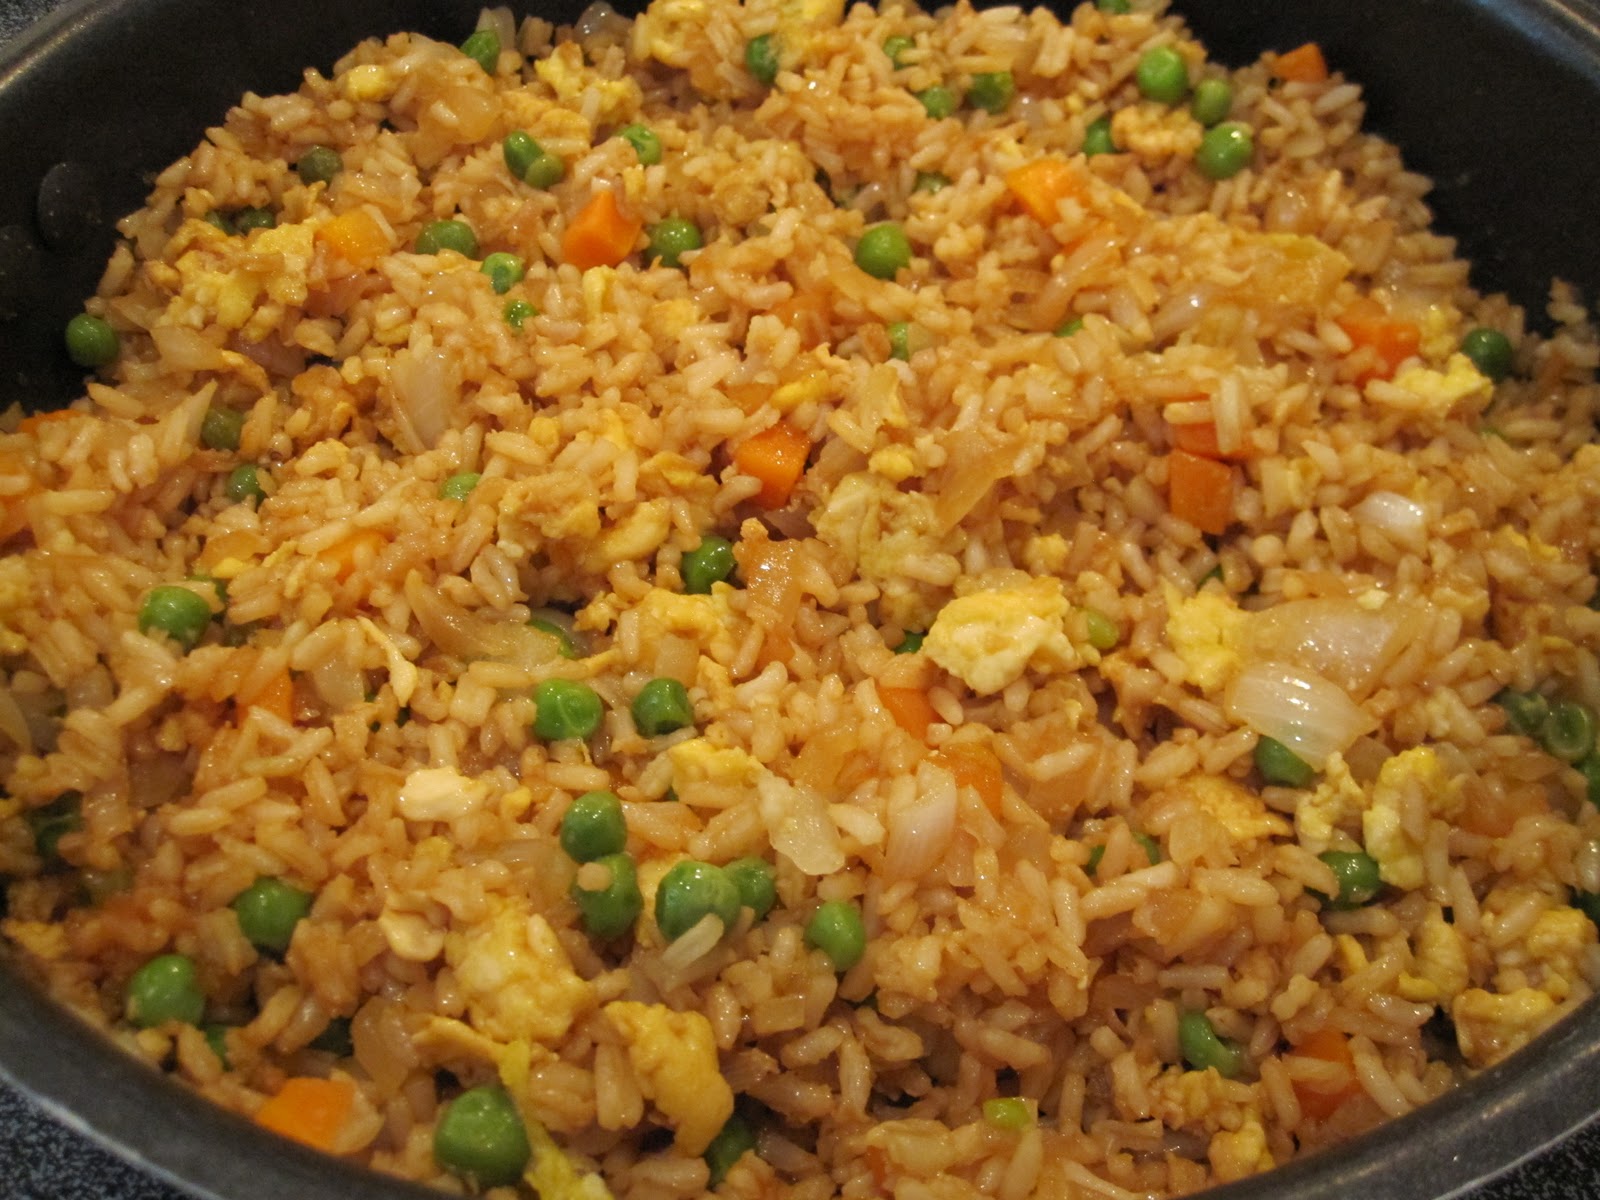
point(1498, 100)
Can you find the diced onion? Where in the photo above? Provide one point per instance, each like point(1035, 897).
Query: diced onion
point(1308, 714)
point(421, 389)
point(798, 825)
point(12, 722)
point(469, 637)
point(1337, 638)
point(920, 830)
point(1400, 518)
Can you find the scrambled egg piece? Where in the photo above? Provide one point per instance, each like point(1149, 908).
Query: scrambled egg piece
point(1399, 855)
point(1436, 393)
point(230, 277)
point(1201, 1100)
point(1239, 810)
point(1206, 631)
point(1156, 131)
point(439, 794)
point(989, 638)
point(554, 1176)
point(1558, 943)
point(368, 82)
point(877, 526)
point(632, 539)
point(564, 73)
point(706, 775)
point(1439, 957)
point(1240, 1153)
point(669, 30)
point(1489, 1027)
point(1337, 802)
point(706, 618)
point(516, 978)
point(674, 1055)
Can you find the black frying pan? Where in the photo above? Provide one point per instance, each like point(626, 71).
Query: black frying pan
point(1498, 100)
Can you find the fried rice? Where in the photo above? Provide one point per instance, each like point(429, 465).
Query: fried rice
point(1146, 665)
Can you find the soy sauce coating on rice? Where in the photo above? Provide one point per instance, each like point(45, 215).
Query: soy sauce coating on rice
point(778, 598)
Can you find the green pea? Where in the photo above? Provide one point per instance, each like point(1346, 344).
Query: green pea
point(217, 1042)
point(50, 822)
point(910, 642)
point(319, 165)
point(1490, 351)
point(1010, 1113)
point(247, 219)
point(756, 882)
point(1204, 1050)
point(689, 892)
point(662, 706)
point(609, 909)
point(566, 708)
point(447, 235)
point(1225, 150)
point(708, 563)
point(483, 48)
point(1525, 711)
point(519, 149)
point(1358, 875)
point(644, 142)
point(593, 827)
point(91, 342)
point(883, 250)
point(1590, 769)
point(176, 611)
point(735, 1140)
point(938, 102)
point(1151, 847)
point(518, 311)
point(1097, 138)
point(1588, 903)
point(1567, 731)
point(165, 989)
point(268, 911)
point(545, 171)
point(761, 59)
point(221, 428)
point(896, 46)
point(1069, 327)
point(1162, 75)
point(931, 182)
point(565, 646)
point(218, 219)
point(480, 1136)
point(459, 487)
point(1115, 7)
point(1101, 629)
point(504, 271)
point(836, 929)
point(244, 483)
point(992, 91)
point(1281, 766)
point(1213, 101)
point(335, 1039)
point(670, 239)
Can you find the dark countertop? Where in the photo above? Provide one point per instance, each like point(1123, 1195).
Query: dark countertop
point(40, 1159)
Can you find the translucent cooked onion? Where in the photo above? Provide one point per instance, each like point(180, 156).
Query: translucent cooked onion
point(1301, 709)
point(920, 829)
point(1337, 638)
point(1400, 518)
point(420, 387)
point(467, 636)
point(799, 827)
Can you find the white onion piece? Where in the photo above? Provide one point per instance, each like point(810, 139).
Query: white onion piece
point(339, 682)
point(598, 18)
point(501, 23)
point(1337, 638)
point(423, 403)
point(1301, 709)
point(12, 722)
point(693, 944)
point(467, 636)
point(186, 348)
point(921, 826)
point(1401, 519)
point(798, 825)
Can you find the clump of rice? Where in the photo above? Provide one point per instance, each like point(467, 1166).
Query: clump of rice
point(1058, 841)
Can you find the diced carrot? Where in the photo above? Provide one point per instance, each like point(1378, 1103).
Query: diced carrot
point(309, 1110)
point(357, 236)
point(276, 695)
point(910, 709)
point(1200, 491)
point(600, 234)
point(807, 313)
point(976, 767)
point(1328, 1045)
point(1041, 185)
point(777, 457)
point(1303, 64)
point(1392, 340)
point(32, 422)
point(358, 549)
